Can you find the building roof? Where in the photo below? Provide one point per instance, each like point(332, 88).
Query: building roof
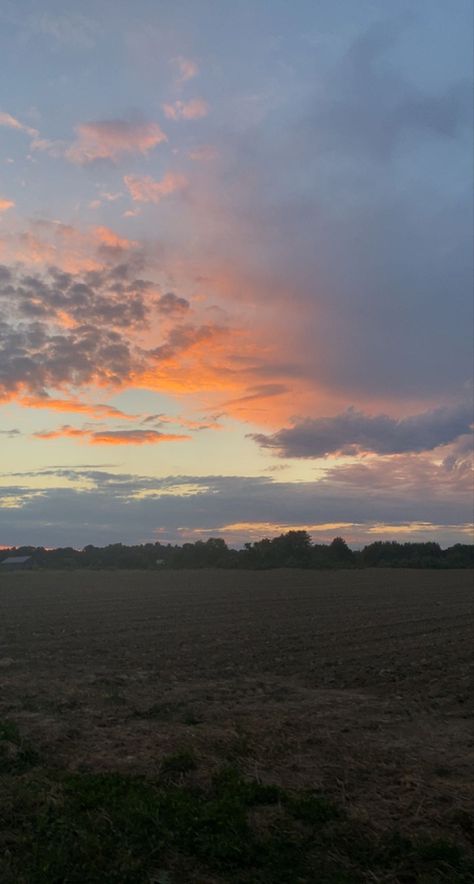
point(15, 560)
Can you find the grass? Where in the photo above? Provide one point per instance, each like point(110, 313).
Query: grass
point(16, 754)
point(58, 827)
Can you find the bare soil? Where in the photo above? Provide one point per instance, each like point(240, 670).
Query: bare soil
point(356, 682)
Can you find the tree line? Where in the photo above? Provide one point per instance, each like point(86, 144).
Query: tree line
point(294, 549)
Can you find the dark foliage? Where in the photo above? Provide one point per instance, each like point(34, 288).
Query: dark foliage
point(291, 550)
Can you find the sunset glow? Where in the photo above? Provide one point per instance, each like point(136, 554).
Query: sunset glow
point(235, 272)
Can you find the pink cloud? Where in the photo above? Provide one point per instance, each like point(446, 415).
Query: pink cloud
point(204, 154)
point(12, 123)
point(147, 190)
point(186, 110)
point(109, 139)
point(187, 68)
point(6, 204)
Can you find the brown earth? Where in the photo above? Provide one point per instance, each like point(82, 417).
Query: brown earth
point(356, 682)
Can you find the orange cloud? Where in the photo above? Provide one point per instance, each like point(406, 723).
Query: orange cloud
point(108, 237)
point(110, 139)
point(147, 190)
point(194, 109)
point(135, 437)
point(112, 437)
point(74, 406)
point(6, 204)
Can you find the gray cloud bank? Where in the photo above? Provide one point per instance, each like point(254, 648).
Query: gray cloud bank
point(354, 431)
point(358, 214)
point(116, 507)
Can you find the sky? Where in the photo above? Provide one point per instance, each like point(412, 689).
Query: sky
point(235, 270)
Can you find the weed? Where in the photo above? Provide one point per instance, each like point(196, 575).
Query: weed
point(178, 763)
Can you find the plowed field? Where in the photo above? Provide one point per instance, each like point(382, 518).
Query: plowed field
point(355, 682)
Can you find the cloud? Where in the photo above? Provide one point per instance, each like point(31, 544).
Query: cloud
point(111, 139)
point(106, 326)
point(62, 330)
point(111, 437)
point(260, 391)
point(187, 68)
point(132, 509)
point(170, 303)
point(196, 425)
point(451, 472)
point(108, 237)
point(204, 153)
point(33, 357)
point(54, 244)
point(368, 108)
point(12, 123)
point(147, 190)
point(353, 431)
point(194, 109)
point(183, 338)
point(54, 147)
point(5, 204)
point(110, 297)
point(74, 406)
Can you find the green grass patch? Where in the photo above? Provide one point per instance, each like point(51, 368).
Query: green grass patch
point(72, 828)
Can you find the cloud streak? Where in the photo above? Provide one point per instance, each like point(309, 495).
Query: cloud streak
point(10, 122)
point(111, 437)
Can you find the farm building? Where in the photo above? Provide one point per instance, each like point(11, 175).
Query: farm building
point(16, 563)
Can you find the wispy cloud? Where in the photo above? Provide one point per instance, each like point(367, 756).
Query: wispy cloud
point(74, 406)
point(194, 109)
point(111, 139)
point(111, 437)
point(5, 204)
point(187, 68)
point(205, 153)
point(146, 190)
point(10, 122)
